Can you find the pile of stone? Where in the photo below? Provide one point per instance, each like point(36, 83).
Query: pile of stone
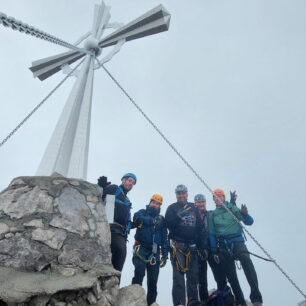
point(55, 246)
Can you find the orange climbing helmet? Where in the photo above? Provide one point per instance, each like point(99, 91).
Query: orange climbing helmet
point(219, 192)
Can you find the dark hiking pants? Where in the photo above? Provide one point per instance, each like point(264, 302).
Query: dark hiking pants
point(241, 253)
point(118, 249)
point(152, 277)
point(218, 273)
point(178, 288)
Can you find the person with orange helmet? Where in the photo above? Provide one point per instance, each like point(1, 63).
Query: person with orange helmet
point(228, 244)
point(151, 245)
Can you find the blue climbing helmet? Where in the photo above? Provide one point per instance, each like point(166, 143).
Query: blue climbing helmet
point(181, 188)
point(132, 175)
point(199, 198)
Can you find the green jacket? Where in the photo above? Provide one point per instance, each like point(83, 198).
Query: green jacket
point(223, 225)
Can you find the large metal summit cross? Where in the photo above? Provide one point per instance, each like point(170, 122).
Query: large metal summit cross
point(67, 151)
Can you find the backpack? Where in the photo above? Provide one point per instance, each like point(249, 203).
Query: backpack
point(221, 298)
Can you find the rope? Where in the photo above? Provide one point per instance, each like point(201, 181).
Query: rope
point(18, 25)
point(38, 106)
point(201, 179)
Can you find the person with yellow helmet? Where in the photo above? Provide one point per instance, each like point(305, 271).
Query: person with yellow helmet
point(151, 245)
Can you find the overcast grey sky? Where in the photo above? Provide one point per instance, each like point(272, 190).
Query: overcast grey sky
point(226, 84)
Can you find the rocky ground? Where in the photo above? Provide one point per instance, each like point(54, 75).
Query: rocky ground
point(55, 246)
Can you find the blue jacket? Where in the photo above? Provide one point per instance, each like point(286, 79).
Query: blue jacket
point(148, 233)
point(122, 214)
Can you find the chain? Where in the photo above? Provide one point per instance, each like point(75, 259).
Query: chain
point(201, 179)
point(18, 25)
point(39, 105)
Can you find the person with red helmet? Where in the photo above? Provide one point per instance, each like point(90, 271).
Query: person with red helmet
point(228, 244)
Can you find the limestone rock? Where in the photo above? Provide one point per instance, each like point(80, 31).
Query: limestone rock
point(34, 223)
point(133, 295)
point(24, 254)
point(55, 244)
point(73, 209)
point(24, 201)
point(4, 228)
point(54, 238)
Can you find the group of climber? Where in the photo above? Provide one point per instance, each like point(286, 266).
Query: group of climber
point(193, 236)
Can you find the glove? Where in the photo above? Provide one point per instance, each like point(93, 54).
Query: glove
point(102, 181)
point(137, 223)
point(184, 211)
point(158, 221)
point(233, 197)
point(163, 261)
point(244, 210)
point(203, 254)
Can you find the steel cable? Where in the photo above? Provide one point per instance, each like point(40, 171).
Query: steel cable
point(39, 105)
point(18, 25)
point(201, 179)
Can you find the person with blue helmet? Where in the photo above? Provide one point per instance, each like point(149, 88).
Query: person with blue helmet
point(186, 241)
point(219, 275)
point(151, 245)
point(120, 227)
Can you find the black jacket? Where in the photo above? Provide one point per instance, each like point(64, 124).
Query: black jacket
point(188, 229)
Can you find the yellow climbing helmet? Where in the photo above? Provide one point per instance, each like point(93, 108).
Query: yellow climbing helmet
point(158, 198)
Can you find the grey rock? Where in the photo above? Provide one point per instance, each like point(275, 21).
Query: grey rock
point(56, 182)
point(4, 228)
point(39, 300)
point(103, 301)
point(91, 298)
point(16, 181)
point(17, 286)
point(103, 234)
point(9, 235)
point(303, 303)
point(111, 295)
point(24, 201)
point(20, 253)
point(65, 270)
point(14, 229)
point(34, 223)
point(93, 199)
point(97, 290)
point(75, 183)
point(74, 211)
point(83, 254)
point(133, 295)
point(110, 282)
point(54, 238)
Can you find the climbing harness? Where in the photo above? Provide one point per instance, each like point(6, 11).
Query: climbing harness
point(200, 178)
point(151, 259)
point(181, 257)
point(18, 25)
point(39, 105)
